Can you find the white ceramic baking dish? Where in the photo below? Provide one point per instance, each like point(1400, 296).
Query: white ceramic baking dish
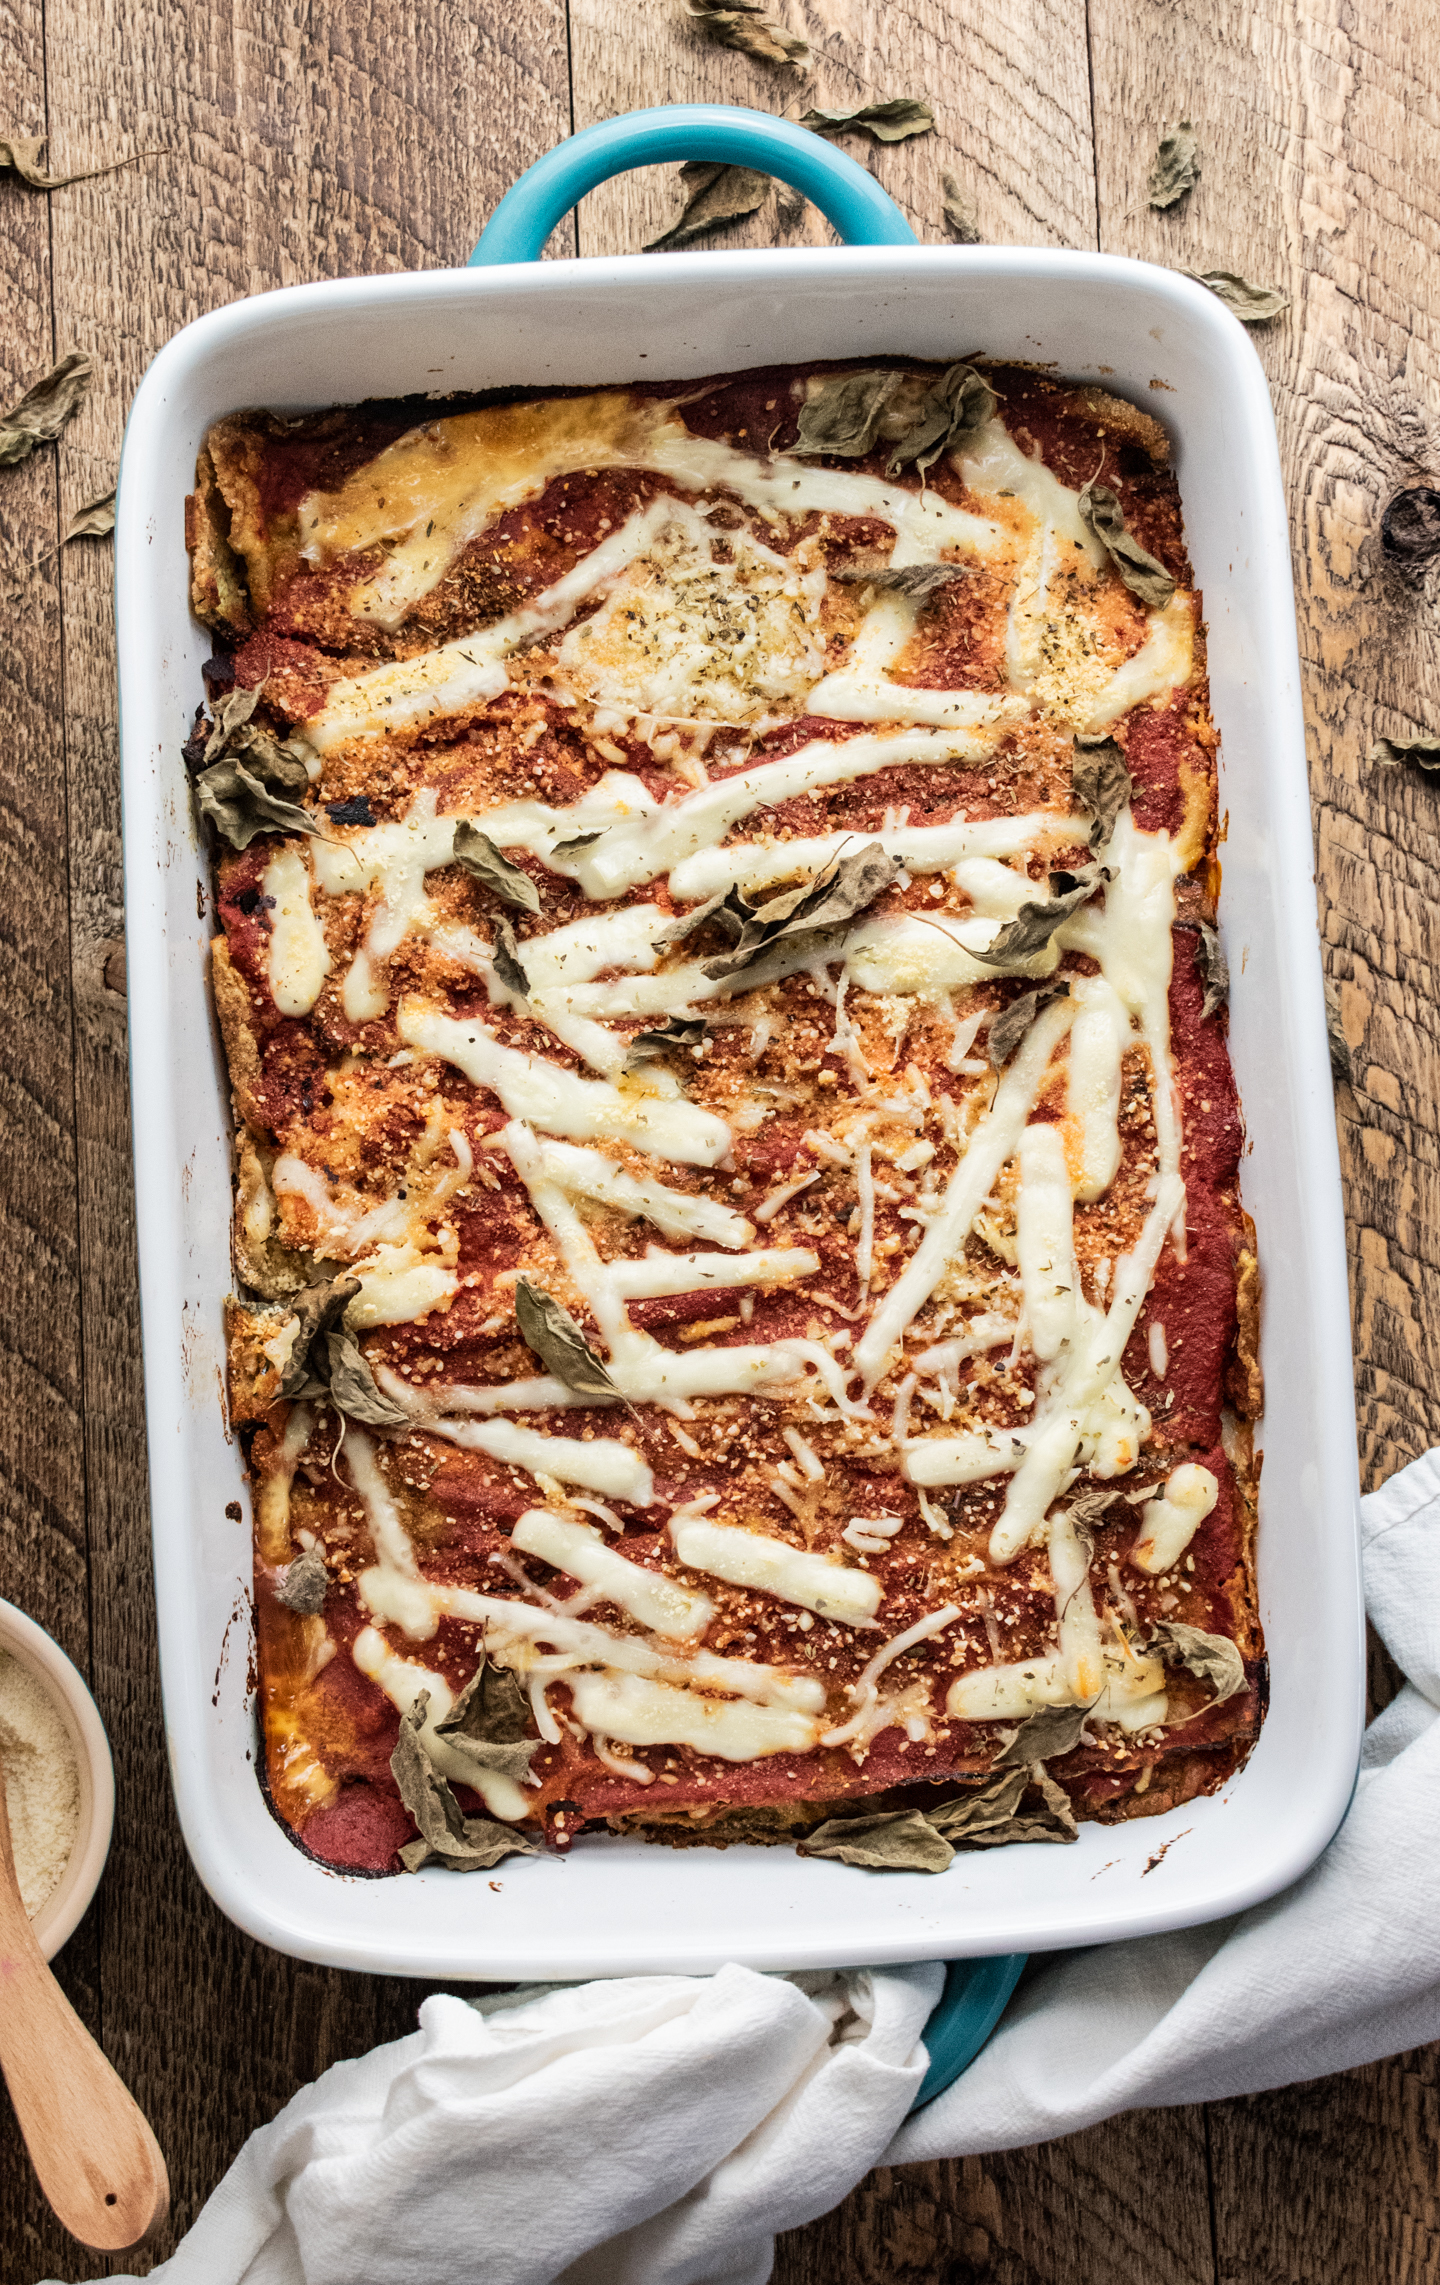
point(616, 1906)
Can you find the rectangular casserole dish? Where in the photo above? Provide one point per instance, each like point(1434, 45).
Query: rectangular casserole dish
point(616, 1906)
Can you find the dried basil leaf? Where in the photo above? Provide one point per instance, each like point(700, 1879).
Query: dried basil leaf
point(1010, 1026)
point(1043, 1736)
point(892, 1840)
point(960, 212)
point(352, 1384)
point(1033, 926)
point(1102, 785)
point(727, 906)
point(1177, 167)
point(44, 409)
point(918, 580)
point(317, 1309)
point(559, 1343)
point(305, 1584)
point(447, 1836)
point(1253, 305)
point(1424, 752)
point(575, 844)
point(1342, 1061)
point(831, 901)
point(478, 855)
point(1212, 1656)
point(95, 521)
point(1410, 531)
point(843, 415)
point(956, 406)
point(891, 122)
point(714, 194)
point(490, 1725)
point(506, 961)
point(680, 1031)
point(1214, 970)
point(239, 806)
point(20, 155)
point(1089, 1510)
point(740, 24)
point(997, 1818)
point(1143, 573)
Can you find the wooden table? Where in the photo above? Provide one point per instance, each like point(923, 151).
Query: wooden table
point(309, 140)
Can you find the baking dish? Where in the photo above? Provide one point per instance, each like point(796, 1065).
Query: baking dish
point(617, 1906)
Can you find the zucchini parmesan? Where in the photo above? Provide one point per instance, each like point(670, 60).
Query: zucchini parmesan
point(745, 1327)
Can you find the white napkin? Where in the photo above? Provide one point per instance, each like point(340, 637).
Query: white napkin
point(658, 2130)
point(653, 2130)
point(1341, 1969)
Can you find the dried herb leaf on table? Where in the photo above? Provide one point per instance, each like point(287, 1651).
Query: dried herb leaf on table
point(1176, 168)
point(716, 194)
point(1424, 752)
point(891, 122)
point(95, 521)
point(741, 24)
point(960, 212)
point(20, 155)
point(40, 415)
point(1143, 573)
point(1253, 305)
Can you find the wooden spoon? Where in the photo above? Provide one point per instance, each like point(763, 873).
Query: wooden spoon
point(99, 2164)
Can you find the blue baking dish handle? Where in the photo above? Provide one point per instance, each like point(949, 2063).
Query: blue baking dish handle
point(975, 1997)
point(846, 195)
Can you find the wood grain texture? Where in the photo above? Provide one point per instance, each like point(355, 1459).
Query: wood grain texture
point(1008, 87)
point(1322, 174)
point(1125, 2200)
point(303, 141)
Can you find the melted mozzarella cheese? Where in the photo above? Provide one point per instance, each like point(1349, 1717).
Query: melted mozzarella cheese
point(297, 961)
point(750, 1559)
point(646, 1596)
point(966, 1459)
point(1168, 1525)
point(1044, 1240)
point(515, 1630)
point(436, 488)
point(659, 1273)
point(642, 1712)
point(861, 689)
point(403, 1682)
point(1164, 662)
point(920, 848)
point(589, 1109)
point(393, 1588)
point(678, 1214)
point(995, 1140)
point(399, 1284)
point(906, 953)
point(604, 1465)
point(1099, 1037)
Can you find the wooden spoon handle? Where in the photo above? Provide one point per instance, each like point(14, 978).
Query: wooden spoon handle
point(99, 2164)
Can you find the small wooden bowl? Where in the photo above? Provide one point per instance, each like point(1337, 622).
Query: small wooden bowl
point(61, 1913)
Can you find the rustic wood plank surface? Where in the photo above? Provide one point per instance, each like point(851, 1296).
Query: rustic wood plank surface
point(307, 142)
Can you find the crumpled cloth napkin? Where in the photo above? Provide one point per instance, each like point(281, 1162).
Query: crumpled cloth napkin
point(1341, 1969)
point(653, 2130)
point(658, 2130)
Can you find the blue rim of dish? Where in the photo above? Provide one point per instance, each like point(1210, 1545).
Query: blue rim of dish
point(976, 1995)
